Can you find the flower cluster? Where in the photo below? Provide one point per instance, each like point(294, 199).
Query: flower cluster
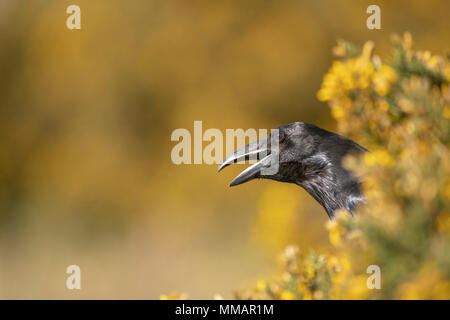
point(403, 119)
point(310, 276)
point(317, 276)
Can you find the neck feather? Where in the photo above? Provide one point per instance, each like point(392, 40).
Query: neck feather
point(330, 184)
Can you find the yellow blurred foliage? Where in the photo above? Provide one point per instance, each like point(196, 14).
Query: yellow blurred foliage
point(86, 118)
point(277, 211)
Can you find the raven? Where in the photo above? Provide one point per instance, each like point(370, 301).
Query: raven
point(311, 158)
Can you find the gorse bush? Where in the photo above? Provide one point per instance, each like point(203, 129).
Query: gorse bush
point(399, 109)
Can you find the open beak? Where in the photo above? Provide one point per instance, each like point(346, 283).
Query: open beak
point(257, 150)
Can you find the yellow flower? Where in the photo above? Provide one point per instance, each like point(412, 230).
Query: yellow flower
point(261, 285)
point(357, 288)
point(173, 296)
point(383, 80)
point(307, 296)
point(334, 230)
point(287, 295)
point(383, 105)
point(443, 222)
point(446, 191)
point(310, 271)
point(324, 94)
point(446, 72)
point(344, 77)
point(428, 283)
point(339, 51)
point(337, 112)
point(446, 112)
point(380, 157)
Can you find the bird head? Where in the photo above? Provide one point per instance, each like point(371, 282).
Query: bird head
point(306, 155)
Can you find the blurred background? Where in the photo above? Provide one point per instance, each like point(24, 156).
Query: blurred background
point(85, 123)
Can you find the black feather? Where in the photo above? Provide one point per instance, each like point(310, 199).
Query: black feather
point(312, 157)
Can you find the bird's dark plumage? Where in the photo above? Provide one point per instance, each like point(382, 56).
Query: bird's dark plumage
point(310, 157)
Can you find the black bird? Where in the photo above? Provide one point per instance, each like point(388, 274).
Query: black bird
point(308, 156)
